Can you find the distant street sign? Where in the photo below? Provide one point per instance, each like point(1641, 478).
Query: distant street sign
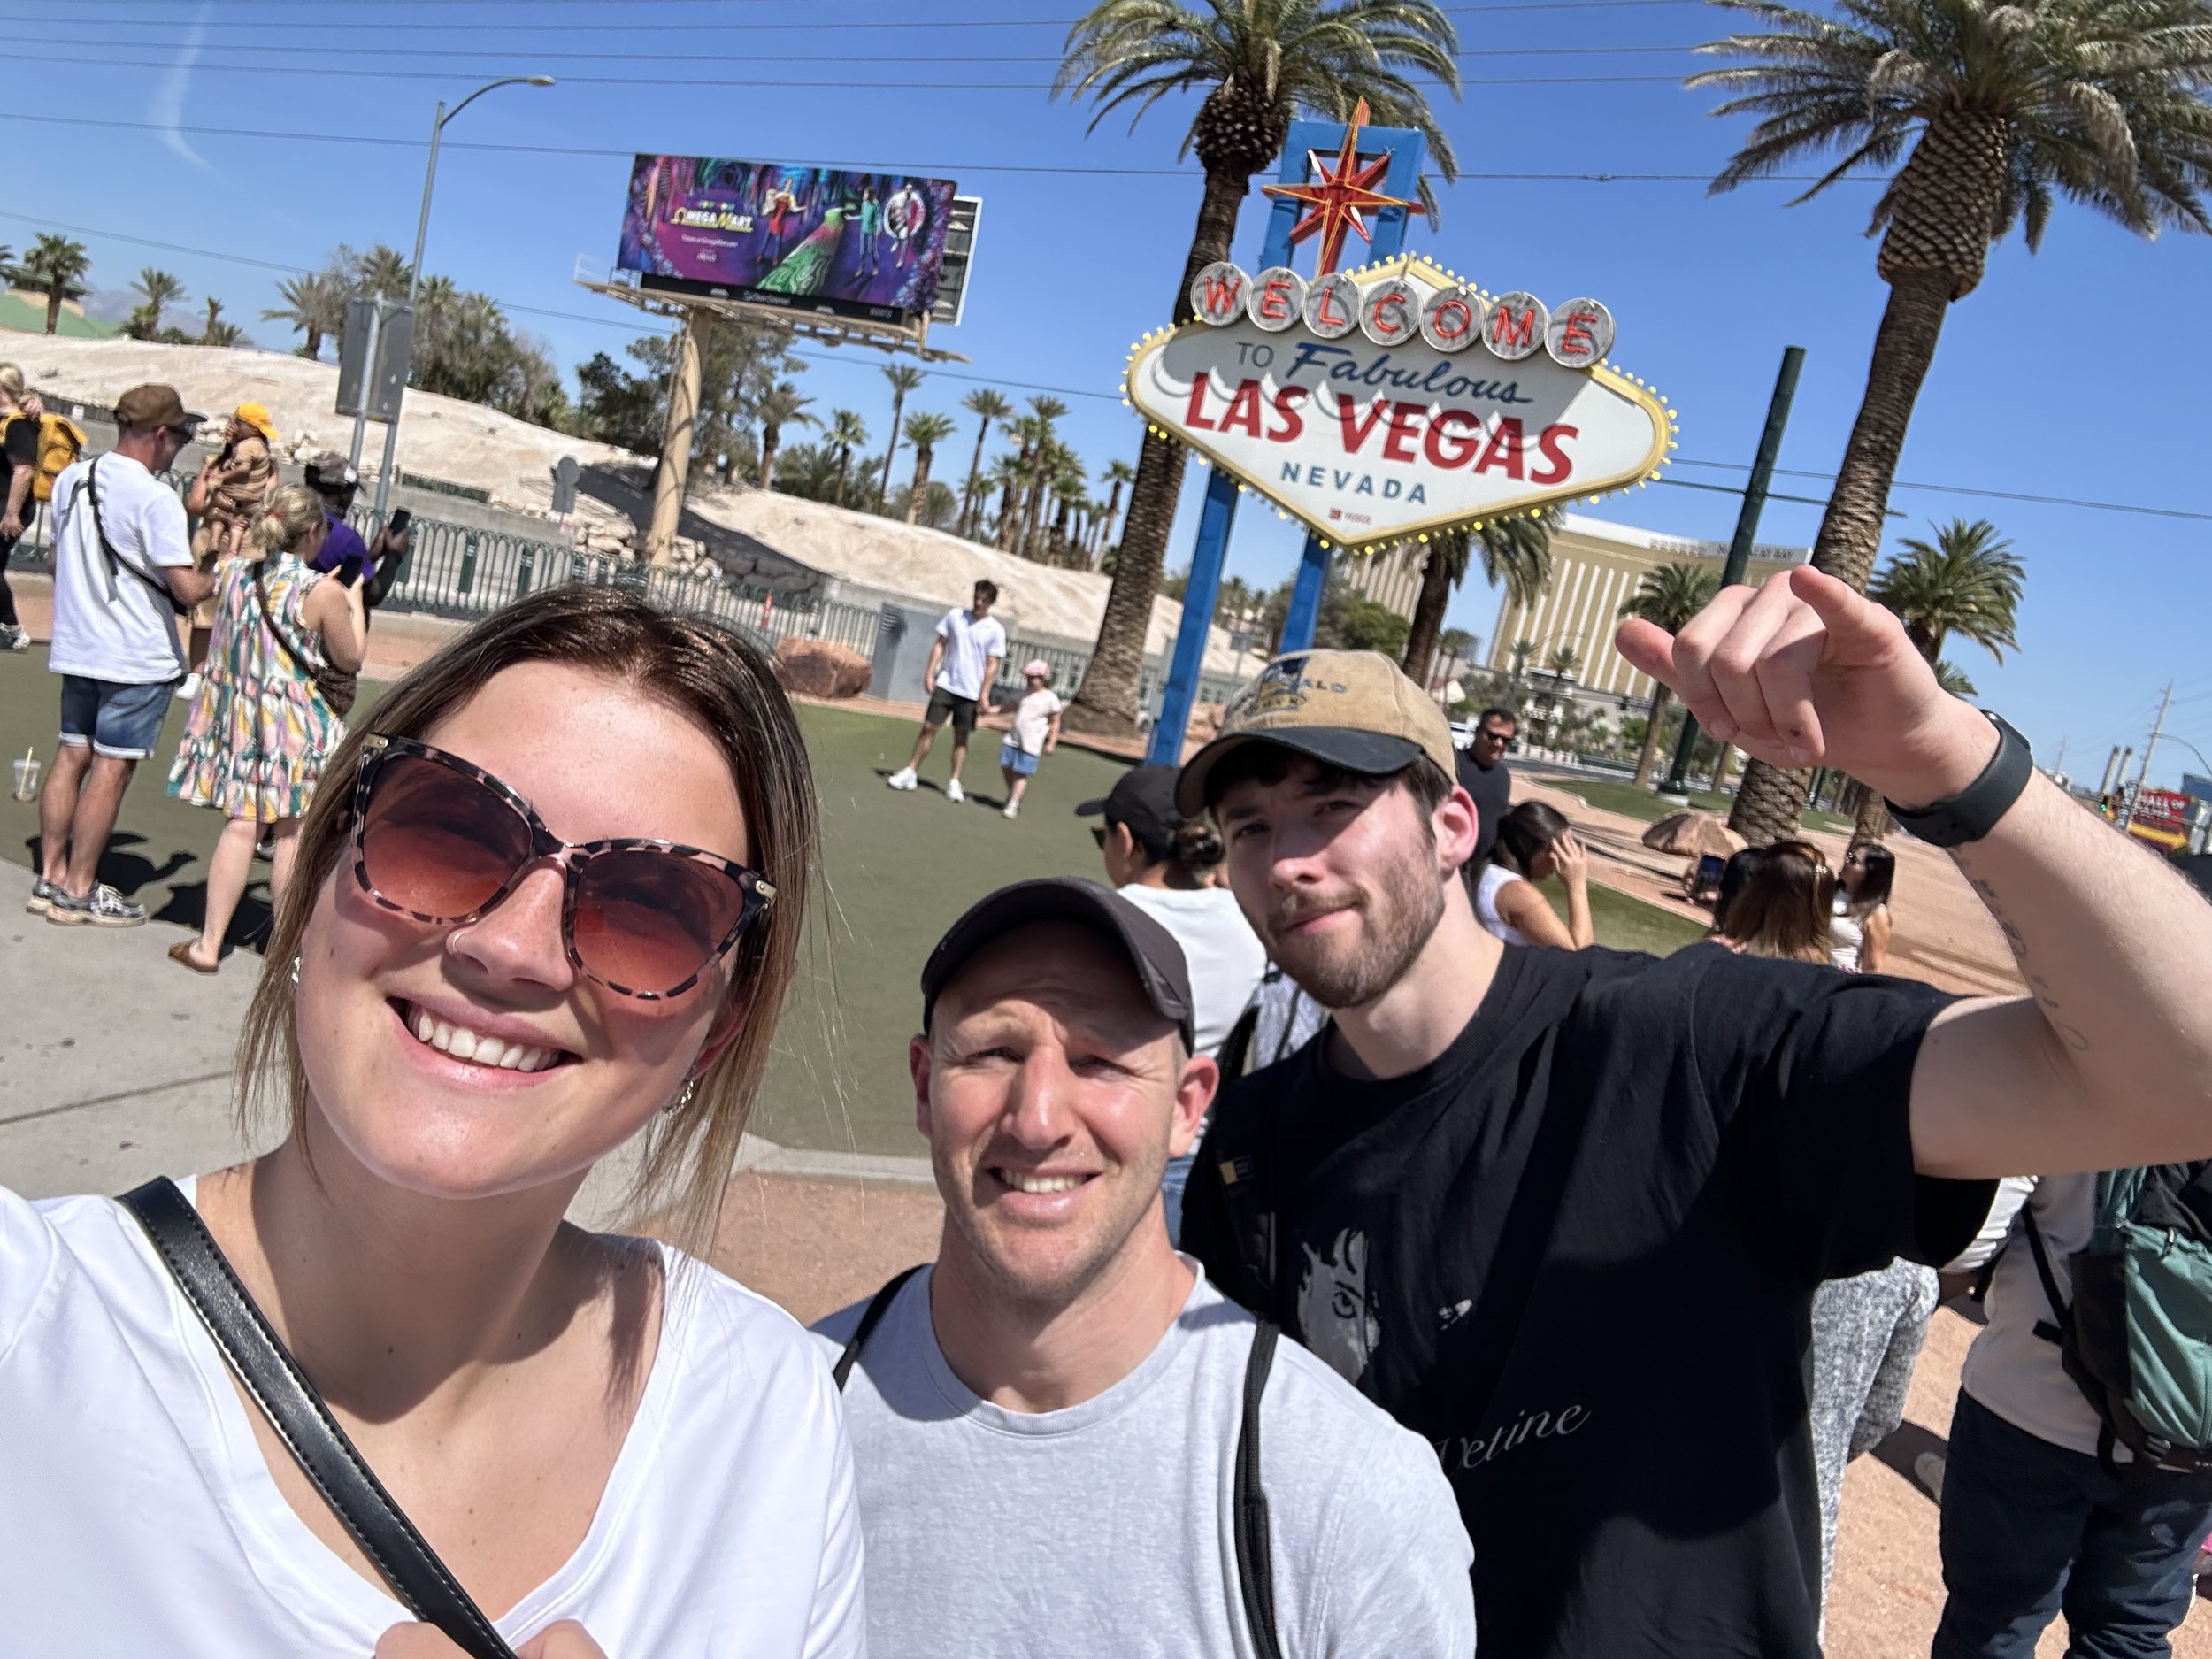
point(565, 473)
point(385, 339)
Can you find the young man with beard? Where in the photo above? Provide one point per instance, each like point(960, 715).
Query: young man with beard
point(1052, 1425)
point(1563, 1212)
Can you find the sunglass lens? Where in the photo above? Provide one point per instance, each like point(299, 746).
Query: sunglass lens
point(438, 842)
point(649, 921)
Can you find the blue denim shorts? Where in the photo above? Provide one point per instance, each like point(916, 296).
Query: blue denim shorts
point(119, 720)
point(1012, 759)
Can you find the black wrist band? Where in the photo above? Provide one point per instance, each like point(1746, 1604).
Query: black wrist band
point(1973, 812)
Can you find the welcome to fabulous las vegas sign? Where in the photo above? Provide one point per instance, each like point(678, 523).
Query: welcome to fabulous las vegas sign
point(1394, 400)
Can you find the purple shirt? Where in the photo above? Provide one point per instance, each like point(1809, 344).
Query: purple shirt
point(343, 541)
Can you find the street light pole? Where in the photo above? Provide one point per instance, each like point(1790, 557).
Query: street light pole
point(414, 272)
point(1754, 499)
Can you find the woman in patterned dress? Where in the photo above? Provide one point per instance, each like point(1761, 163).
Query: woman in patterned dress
point(261, 728)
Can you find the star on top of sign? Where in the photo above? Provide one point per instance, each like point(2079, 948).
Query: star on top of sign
point(1340, 194)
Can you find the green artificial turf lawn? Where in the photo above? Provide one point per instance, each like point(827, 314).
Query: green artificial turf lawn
point(900, 867)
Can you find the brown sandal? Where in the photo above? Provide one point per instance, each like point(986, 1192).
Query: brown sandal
point(180, 954)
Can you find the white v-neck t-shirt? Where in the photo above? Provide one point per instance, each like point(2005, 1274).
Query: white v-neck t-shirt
point(138, 1515)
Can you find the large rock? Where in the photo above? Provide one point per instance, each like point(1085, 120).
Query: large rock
point(817, 668)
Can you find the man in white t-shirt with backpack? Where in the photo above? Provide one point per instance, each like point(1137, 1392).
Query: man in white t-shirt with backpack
point(123, 573)
point(1065, 1441)
point(962, 667)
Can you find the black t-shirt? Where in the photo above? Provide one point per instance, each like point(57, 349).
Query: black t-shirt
point(1492, 790)
point(1576, 1253)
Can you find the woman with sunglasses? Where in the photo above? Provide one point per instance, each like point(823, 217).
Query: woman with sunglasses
point(1859, 929)
point(548, 901)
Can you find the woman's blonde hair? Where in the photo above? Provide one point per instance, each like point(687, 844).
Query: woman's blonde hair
point(11, 383)
point(697, 668)
point(293, 512)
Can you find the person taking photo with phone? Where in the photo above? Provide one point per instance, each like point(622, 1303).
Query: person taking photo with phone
point(272, 704)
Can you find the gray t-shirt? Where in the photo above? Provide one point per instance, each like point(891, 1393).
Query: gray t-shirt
point(1106, 1528)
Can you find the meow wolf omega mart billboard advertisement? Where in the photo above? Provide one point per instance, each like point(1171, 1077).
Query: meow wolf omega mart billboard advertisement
point(865, 245)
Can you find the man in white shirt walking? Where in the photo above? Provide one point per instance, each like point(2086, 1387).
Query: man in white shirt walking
point(123, 573)
point(963, 666)
point(1067, 1442)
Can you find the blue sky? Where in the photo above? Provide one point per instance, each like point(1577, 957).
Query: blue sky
point(2065, 375)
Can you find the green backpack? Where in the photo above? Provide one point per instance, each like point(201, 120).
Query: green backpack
point(2136, 1338)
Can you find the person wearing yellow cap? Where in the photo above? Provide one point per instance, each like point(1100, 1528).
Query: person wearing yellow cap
point(233, 487)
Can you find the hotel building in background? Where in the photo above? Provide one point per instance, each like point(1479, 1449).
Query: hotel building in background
point(1595, 569)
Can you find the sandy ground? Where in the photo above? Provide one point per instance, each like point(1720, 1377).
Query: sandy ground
point(815, 1246)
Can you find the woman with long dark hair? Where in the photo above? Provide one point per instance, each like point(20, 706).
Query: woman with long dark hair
point(546, 903)
point(1535, 842)
point(1858, 928)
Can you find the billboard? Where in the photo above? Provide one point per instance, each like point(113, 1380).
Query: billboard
point(865, 245)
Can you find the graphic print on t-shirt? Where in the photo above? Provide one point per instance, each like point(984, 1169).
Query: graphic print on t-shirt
point(1335, 1316)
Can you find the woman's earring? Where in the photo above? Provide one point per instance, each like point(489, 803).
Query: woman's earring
point(296, 973)
point(683, 1095)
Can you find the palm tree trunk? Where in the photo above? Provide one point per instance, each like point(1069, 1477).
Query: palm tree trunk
point(1771, 800)
point(844, 462)
point(1107, 700)
point(919, 491)
point(1648, 755)
point(1428, 618)
point(53, 309)
point(883, 490)
point(975, 476)
point(770, 441)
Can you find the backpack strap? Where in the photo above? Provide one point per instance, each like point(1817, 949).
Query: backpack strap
point(91, 487)
point(871, 1317)
point(2062, 1314)
point(1234, 1057)
point(1256, 1566)
point(259, 1358)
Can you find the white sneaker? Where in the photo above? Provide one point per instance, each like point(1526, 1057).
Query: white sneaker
point(188, 687)
point(1013, 809)
point(954, 792)
point(903, 778)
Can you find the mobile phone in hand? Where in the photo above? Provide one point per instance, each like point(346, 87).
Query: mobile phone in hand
point(349, 570)
point(401, 518)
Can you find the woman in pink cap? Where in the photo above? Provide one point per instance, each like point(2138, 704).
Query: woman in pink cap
point(1036, 731)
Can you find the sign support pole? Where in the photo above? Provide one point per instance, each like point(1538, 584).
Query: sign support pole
point(1217, 516)
point(1754, 501)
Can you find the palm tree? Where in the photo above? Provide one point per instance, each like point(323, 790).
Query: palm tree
point(56, 267)
point(1667, 597)
point(1565, 661)
point(1515, 551)
point(1254, 64)
point(904, 379)
point(209, 329)
point(1952, 681)
point(925, 433)
point(1967, 582)
point(2004, 108)
point(846, 433)
point(159, 289)
point(381, 270)
point(780, 406)
point(1117, 474)
point(987, 405)
point(315, 304)
point(1005, 477)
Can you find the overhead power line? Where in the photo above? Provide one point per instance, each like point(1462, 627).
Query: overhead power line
point(944, 168)
point(644, 324)
point(388, 6)
point(755, 83)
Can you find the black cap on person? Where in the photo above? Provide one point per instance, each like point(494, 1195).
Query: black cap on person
point(1143, 798)
point(1154, 956)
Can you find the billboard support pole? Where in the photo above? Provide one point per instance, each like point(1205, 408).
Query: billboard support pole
point(676, 439)
point(1754, 500)
point(1217, 517)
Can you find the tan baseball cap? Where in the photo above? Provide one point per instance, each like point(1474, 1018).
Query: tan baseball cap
point(1349, 709)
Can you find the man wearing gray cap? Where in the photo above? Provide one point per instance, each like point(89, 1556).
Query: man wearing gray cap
point(1065, 1441)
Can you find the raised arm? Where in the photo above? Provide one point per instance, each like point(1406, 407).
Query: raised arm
point(2109, 1063)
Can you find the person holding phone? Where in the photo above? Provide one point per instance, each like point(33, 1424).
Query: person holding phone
point(378, 564)
point(549, 904)
point(286, 645)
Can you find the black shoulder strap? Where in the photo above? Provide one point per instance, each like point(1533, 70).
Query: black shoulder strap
point(1255, 1565)
point(259, 1359)
point(2062, 1315)
point(91, 486)
point(1248, 1196)
point(871, 1317)
point(1234, 1057)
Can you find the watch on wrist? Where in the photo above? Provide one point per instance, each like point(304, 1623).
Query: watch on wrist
point(1974, 810)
